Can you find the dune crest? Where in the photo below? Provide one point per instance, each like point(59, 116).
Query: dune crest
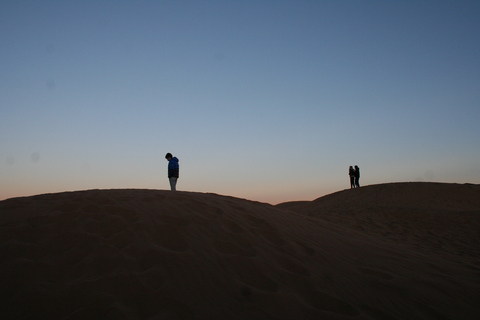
point(152, 254)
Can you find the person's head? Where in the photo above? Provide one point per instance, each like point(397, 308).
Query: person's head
point(168, 156)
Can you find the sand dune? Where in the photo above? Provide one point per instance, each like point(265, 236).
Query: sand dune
point(438, 216)
point(393, 251)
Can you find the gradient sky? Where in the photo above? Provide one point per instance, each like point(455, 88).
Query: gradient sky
point(266, 100)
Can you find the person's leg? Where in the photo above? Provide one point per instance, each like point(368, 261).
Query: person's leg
point(173, 184)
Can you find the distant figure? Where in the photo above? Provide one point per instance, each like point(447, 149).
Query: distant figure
point(173, 169)
point(357, 177)
point(351, 173)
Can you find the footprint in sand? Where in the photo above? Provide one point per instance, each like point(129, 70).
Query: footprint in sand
point(376, 274)
point(292, 267)
point(325, 302)
point(171, 238)
point(253, 276)
point(152, 278)
point(230, 248)
point(308, 250)
point(128, 215)
point(233, 227)
point(268, 232)
point(175, 221)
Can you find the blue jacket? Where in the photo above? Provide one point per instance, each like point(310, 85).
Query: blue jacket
point(173, 168)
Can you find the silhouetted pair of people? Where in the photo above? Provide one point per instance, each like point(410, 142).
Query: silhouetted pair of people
point(354, 177)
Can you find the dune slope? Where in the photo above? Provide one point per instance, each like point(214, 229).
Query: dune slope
point(149, 254)
point(438, 217)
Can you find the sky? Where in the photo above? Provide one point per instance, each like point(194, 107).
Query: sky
point(270, 101)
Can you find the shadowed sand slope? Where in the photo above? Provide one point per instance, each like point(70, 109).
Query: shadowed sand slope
point(436, 216)
point(147, 254)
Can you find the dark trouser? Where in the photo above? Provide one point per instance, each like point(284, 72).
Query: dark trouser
point(357, 183)
point(352, 182)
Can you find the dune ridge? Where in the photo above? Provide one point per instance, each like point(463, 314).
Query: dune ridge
point(393, 251)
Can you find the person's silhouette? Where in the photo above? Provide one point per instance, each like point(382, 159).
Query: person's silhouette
point(173, 170)
point(357, 177)
point(351, 173)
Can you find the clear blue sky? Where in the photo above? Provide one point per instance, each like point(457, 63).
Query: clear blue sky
point(265, 100)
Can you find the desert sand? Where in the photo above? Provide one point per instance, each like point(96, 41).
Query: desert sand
point(388, 251)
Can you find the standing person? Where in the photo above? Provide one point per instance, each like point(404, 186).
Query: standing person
point(357, 177)
point(173, 169)
point(351, 173)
